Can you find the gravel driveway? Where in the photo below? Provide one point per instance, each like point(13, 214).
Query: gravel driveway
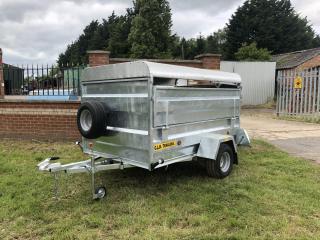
point(297, 138)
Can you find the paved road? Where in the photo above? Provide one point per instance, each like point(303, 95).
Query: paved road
point(297, 138)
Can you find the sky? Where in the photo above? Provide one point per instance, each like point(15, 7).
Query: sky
point(33, 31)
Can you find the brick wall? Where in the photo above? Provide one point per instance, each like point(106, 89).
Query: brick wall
point(314, 62)
point(187, 63)
point(39, 120)
point(208, 60)
point(98, 57)
point(46, 120)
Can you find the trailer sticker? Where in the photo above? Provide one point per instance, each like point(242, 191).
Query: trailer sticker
point(164, 145)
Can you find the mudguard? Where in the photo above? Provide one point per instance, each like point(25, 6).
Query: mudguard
point(242, 137)
point(210, 144)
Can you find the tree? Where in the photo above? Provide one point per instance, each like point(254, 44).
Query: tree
point(120, 26)
point(176, 48)
point(200, 45)
point(272, 24)
point(143, 32)
point(216, 42)
point(98, 41)
point(150, 34)
point(252, 53)
point(188, 49)
point(82, 44)
point(76, 52)
point(316, 41)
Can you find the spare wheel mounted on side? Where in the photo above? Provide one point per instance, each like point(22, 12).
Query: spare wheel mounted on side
point(92, 119)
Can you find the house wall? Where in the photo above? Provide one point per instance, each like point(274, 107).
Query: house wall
point(300, 101)
point(314, 62)
point(290, 72)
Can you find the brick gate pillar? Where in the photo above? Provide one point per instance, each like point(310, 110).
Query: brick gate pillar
point(98, 58)
point(1, 77)
point(210, 60)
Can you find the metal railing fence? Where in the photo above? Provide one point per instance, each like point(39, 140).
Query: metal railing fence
point(45, 80)
point(298, 92)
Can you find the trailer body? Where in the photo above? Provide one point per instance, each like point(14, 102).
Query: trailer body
point(157, 114)
point(152, 119)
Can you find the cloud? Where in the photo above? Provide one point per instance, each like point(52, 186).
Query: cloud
point(37, 31)
point(311, 9)
point(190, 18)
point(208, 6)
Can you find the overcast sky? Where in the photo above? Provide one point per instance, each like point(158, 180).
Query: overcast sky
point(33, 31)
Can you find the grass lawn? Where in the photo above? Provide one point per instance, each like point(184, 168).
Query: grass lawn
point(269, 195)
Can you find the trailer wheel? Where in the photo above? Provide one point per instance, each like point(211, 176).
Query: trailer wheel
point(100, 192)
point(222, 166)
point(91, 119)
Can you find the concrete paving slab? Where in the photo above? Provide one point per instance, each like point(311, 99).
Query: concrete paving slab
point(297, 138)
point(305, 147)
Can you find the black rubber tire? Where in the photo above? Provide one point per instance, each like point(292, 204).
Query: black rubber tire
point(213, 166)
point(99, 119)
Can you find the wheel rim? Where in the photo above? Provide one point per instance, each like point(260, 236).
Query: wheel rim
point(225, 162)
point(86, 120)
point(101, 192)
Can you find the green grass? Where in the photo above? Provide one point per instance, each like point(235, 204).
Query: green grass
point(269, 195)
point(308, 119)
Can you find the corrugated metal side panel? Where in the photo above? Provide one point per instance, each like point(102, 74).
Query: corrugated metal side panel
point(170, 105)
point(258, 80)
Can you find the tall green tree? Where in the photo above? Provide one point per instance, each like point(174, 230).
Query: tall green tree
point(200, 45)
point(98, 41)
point(76, 52)
point(176, 49)
point(188, 49)
point(272, 24)
point(150, 34)
point(118, 43)
point(84, 40)
point(215, 42)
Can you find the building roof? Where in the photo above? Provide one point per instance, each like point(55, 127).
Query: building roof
point(151, 69)
point(294, 59)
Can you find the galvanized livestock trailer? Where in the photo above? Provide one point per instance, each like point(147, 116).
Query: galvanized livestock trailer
point(150, 115)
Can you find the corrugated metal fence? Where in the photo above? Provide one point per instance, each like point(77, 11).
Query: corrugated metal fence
point(298, 92)
point(258, 80)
